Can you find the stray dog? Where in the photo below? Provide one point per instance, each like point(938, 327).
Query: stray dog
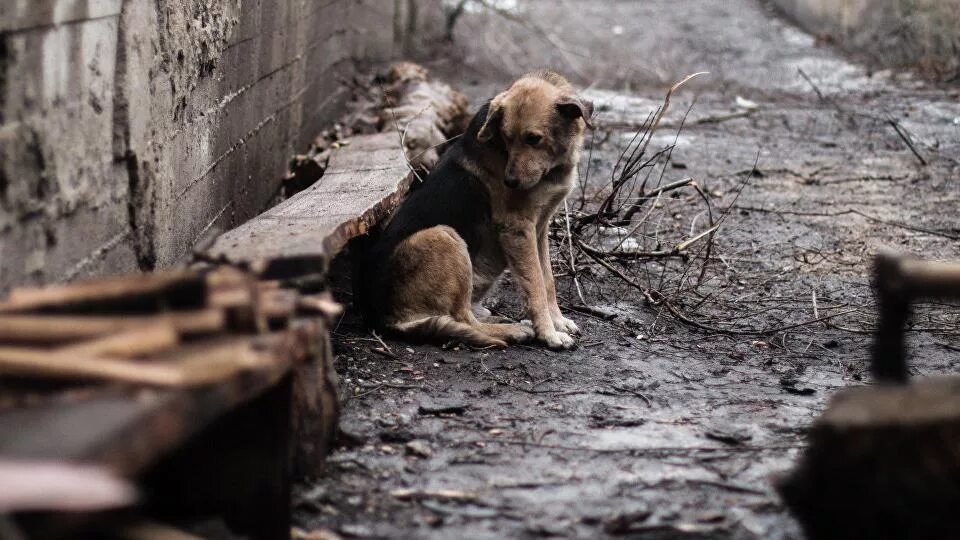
point(487, 206)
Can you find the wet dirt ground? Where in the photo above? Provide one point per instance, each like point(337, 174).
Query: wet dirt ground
point(654, 427)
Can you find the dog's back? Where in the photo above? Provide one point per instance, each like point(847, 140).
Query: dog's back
point(451, 196)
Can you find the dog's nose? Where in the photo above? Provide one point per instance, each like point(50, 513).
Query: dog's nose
point(511, 182)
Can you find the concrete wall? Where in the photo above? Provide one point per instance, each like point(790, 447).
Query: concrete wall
point(922, 34)
point(131, 130)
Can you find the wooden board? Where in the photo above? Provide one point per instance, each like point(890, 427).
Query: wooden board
point(363, 183)
point(127, 431)
point(174, 288)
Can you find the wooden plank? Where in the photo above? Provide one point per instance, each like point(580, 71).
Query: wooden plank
point(149, 530)
point(53, 329)
point(191, 365)
point(171, 287)
point(127, 344)
point(316, 400)
point(127, 431)
point(31, 485)
point(363, 183)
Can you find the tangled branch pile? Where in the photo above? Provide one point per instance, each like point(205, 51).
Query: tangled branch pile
point(635, 218)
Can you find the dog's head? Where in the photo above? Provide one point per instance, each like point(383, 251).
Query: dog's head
point(539, 121)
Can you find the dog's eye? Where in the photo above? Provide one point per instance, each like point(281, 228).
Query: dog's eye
point(532, 139)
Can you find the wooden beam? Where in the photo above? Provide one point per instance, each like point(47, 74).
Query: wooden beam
point(190, 365)
point(125, 290)
point(131, 343)
point(46, 485)
point(54, 329)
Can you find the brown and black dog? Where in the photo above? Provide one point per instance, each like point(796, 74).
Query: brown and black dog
point(486, 207)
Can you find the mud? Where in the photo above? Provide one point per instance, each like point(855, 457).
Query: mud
point(653, 427)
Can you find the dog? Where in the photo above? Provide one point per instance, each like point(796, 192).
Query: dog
point(486, 207)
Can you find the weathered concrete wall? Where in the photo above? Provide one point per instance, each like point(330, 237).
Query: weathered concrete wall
point(132, 130)
point(893, 33)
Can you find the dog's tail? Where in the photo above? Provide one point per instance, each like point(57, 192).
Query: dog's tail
point(446, 327)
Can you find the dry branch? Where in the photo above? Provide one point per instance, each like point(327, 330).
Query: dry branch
point(613, 236)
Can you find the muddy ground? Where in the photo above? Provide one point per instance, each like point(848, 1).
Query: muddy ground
point(655, 427)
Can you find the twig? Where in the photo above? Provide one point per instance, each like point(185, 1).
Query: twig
point(728, 486)
point(402, 133)
point(816, 311)
point(896, 127)
point(387, 351)
point(573, 261)
point(900, 130)
point(677, 251)
point(641, 450)
point(713, 119)
point(900, 224)
point(635, 393)
point(439, 144)
point(630, 169)
point(530, 390)
point(651, 297)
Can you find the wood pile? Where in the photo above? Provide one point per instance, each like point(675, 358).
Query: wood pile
point(177, 329)
point(116, 374)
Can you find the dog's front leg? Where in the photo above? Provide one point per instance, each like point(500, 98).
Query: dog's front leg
point(561, 323)
point(519, 241)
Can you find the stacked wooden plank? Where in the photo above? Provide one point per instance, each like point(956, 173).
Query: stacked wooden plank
point(172, 329)
point(120, 373)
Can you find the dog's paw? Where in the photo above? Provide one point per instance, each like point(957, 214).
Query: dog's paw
point(559, 341)
point(563, 324)
point(520, 333)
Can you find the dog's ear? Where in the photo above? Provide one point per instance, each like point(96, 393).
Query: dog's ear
point(576, 107)
point(492, 123)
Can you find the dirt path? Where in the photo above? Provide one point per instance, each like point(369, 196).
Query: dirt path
point(654, 427)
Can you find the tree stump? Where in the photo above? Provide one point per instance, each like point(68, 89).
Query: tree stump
point(883, 462)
